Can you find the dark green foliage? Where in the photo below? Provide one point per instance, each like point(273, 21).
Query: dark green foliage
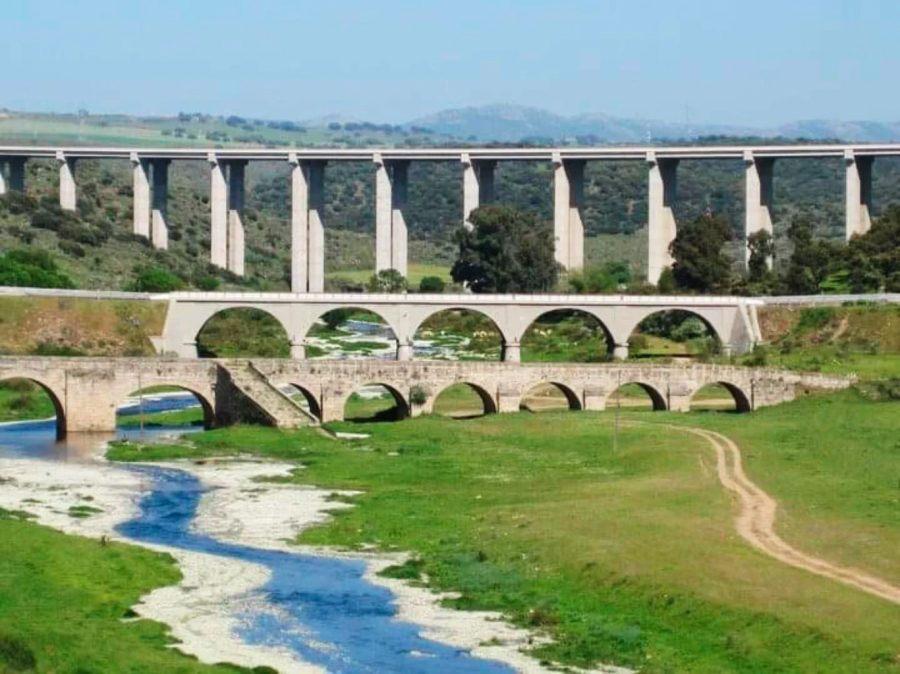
point(666, 283)
point(32, 268)
point(431, 284)
point(337, 317)
point(15, 656)
point(506, 251)
point(155, 280)
point(17, 203)
point(810, 261)
point(700, 262)
point(762, 249)
point(387, 281)
point(675, 324)
point(610, 278)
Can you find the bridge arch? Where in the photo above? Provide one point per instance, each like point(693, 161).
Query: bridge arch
point(488, 404)
point(432, 317)
point(401, 409)
point(657, 397)
point(330, 333)
point(742, 402)
point(204, 399)
point(250, 331)
point(576, 326)
point(540, 389)
point(671, 320)
point(312, 402)
point(55, 397)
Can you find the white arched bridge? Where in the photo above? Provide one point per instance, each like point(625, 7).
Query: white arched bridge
point(87, 391)
point(732, 320)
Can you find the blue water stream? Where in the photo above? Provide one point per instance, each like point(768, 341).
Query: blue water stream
point(324, 610)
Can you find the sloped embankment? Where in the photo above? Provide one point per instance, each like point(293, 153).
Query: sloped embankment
point(76, 326)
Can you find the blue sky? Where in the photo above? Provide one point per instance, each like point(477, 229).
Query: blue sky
point(753, 62)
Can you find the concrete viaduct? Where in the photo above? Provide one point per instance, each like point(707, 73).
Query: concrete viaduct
point(87, 391)
point(732, 319)
point(307, 169)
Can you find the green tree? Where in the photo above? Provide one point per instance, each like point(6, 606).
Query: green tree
point(762, 249)
point(700, 262)
point(432, 284)
point(506, 251)
point(387, 281)
point(811, 263)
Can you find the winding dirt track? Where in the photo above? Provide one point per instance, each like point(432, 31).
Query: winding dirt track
point(756, 522)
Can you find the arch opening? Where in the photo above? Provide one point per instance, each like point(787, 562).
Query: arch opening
point(165, 407)
point(375, 402)
point(348, 333)
point(550, 396)
point(464, 401)
point(458, 334)
point(567, 336)
point(720, 397)
point(637, 396)
point(674, 333)
point(27, 400)
point(243, 332)
point(304, 398)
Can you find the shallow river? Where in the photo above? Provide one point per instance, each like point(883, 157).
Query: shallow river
point(318, 607)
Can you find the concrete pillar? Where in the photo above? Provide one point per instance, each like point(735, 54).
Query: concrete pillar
point(316, 227)
point(141, 190)
point(218, 213)
point(67, 192)
point(299, 225)
point(759, 197)
point(383, 202)
point(399, 235)
point(859, 194)
point(17, 174)
point(594, 399)
point(512, 352)
point(404, 351)
point(159, 229)
point(236, 171)
point(478, 185)
point(661, 216)
point(620, 351)
point(568, 204)
point(4, 188)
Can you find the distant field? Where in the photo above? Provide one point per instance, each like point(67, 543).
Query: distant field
point(416, 273)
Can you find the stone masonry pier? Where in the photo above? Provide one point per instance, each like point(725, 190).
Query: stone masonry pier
point(87, 391)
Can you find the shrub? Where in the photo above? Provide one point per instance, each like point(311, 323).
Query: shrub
point(17, 203)
point(387, 281)
point(814, 318)
point(31, 268)
point(207, 283)
point(15, 655)
point(432, 284)
point(71, 248)
point(155, 280)
point(418, 395)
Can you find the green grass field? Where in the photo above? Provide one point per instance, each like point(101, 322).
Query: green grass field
point(627, 556)
point(63, 600)
point(416, 272)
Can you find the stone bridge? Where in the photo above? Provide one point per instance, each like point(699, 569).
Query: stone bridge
point(732, 319)
point(87, 391)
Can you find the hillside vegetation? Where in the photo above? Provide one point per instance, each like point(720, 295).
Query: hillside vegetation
point(96, 248)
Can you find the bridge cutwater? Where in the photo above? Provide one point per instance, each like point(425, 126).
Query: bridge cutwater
point(87, 391)
point(307, 175)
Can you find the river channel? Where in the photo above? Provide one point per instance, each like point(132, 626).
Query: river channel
point(320, 608)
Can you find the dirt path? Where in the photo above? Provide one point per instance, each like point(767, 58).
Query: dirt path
point(756, 522)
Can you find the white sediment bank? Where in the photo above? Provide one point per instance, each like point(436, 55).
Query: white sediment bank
point(202, 609)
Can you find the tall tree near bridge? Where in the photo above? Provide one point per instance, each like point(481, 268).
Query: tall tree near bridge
point(506, 251)
point(698, 249)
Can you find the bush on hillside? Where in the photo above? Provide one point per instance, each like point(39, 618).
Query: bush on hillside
point(32, 269)
point(155, 280)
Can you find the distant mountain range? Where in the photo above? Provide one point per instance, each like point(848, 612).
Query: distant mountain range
point(512, 123)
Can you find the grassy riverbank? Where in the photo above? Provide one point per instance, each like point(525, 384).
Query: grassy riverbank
point(626, 555)
point(63, 600)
